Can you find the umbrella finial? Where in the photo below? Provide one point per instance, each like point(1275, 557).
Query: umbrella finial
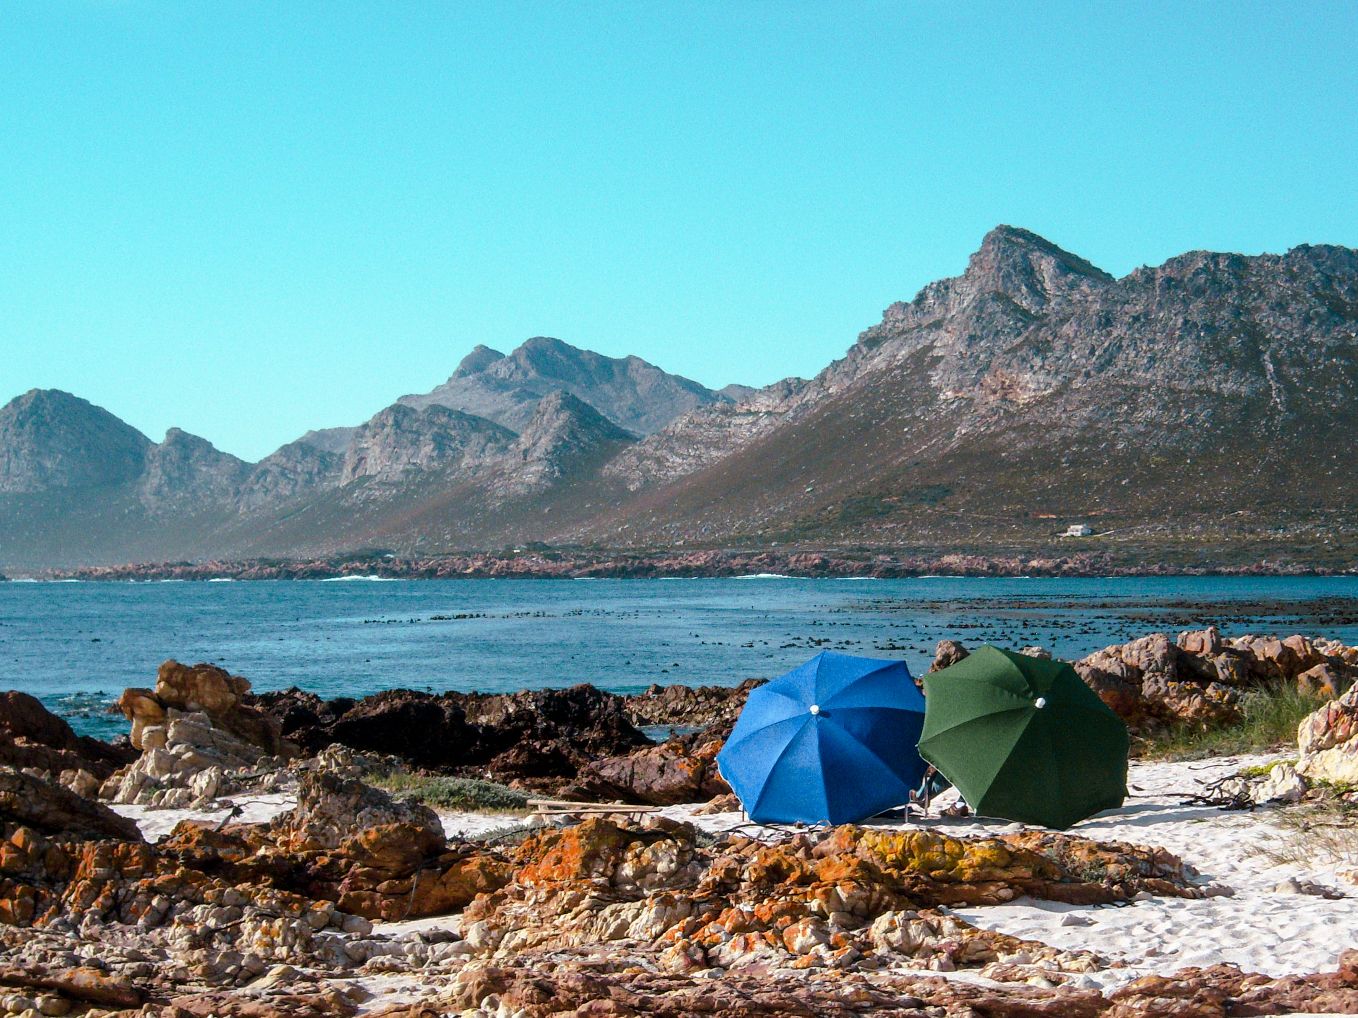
point(1040, 702)
point(815, 708)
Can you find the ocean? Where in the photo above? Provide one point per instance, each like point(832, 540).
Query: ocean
point(77, 645)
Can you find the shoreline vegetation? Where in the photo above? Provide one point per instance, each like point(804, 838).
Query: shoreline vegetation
point(704, 564)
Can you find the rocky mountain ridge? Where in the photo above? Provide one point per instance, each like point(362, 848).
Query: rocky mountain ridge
point(635, 395)
point(1197, 408)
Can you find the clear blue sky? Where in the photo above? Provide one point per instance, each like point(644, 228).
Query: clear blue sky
point(249, 219)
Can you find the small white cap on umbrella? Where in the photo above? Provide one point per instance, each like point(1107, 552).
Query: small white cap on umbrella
point(815, 708)
point(1040, 702)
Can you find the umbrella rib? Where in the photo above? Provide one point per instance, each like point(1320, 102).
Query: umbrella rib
point(830, 700)
point(734, 743)
point(774, 766)
point(976, 717)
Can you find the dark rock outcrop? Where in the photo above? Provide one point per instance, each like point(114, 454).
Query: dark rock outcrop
point(51, 809)
point(31, 736)
point(540, 737)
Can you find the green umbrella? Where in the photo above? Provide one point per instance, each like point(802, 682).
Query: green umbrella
point(1024, 738)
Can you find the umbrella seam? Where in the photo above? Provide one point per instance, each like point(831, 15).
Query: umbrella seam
point(829, 700)
point(868, 749)
point(774, 766)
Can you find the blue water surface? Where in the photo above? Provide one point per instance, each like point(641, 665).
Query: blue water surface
point(77, 645)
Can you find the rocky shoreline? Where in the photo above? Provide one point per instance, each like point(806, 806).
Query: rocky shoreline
point(712, 564)
point(292, 883)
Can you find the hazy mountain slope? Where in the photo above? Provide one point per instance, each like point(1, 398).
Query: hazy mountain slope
point(188, 472)
point(51, 440)
point(632, 393)
point(400, 440)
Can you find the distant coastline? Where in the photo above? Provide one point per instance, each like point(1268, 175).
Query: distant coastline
point(710, 564)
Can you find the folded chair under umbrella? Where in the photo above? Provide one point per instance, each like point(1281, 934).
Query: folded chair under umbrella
point(830, 742)
point(1024, 738)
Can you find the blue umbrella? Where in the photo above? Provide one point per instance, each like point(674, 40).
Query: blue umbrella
point(830, 742)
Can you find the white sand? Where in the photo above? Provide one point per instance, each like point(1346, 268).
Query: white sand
point(1259, 927)
point(155, 824)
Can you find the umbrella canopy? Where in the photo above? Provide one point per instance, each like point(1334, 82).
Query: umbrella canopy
point(1024, 738)
point(830, 742)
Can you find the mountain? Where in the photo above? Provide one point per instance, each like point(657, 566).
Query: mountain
point(188, 470)
point(53, 440)
point(400, 440)
point(1193, 413)
point(635, 395)
point(565, 436)
point(1035, 387)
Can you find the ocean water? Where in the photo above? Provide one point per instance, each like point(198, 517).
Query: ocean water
point(78, 645)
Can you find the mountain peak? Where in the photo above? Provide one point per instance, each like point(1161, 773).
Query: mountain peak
point(560, 408)
point(1027, 269)
point(477, 361)
point(52, 439)
point(506, 389)
point(1014, 248)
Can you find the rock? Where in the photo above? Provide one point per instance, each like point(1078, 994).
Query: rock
point(1225, 989)
point(689, 705)
point(186, 760)
point(31, 736)
point(1283, 784)
point(828, 899)
point(1328, 742)
point(1325, 680)
point(538, 737)
point(728, 803)
point(1040, 652)
point(208, 690)
point(948, 652)
point(52, 809)
point(1201, 643)
point(680, 770)
point(377, 857)
point(1153, 654)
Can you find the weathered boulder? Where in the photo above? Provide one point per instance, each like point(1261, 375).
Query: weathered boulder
point(1281, 784)
point(1328, 742)
point(31, 736)
point(198, 736)
point(948, 652)
point(50, 808)
point(1326, 680)
point(378, 857)
point(679, 770)
point(1201, 643)
point(208, 690)
point(186, 760)
point(1197, 680)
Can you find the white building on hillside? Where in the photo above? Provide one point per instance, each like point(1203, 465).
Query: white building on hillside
point(1078, 530)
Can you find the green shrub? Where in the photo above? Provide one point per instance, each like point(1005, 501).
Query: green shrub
point(1269, 720)
point(472, 794)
